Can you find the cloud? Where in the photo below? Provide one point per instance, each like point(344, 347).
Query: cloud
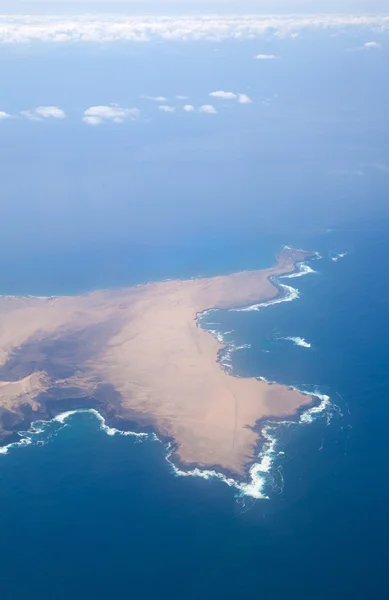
point(365, 46)
point(95, 115)
point(155, 98)
point(244, 99)
point(4, 115)
point(182, 97)
point(188, 108)
point(241, 98)
point(50, 111)
point(166, 108)
point(265, 57)
point(208, 108)
point(371, 45)
point(224, 95)
point(44, 112)
point(18, 28)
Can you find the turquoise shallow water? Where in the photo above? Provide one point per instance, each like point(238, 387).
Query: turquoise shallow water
point(86, 514)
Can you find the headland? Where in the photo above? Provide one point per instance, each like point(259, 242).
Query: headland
point(138, 356)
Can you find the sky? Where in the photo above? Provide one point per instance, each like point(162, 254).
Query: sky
point(166, 6)
point(134, 131)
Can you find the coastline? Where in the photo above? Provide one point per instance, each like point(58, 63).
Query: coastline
point(252, 481)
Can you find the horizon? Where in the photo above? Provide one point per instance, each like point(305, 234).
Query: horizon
point(262, 7)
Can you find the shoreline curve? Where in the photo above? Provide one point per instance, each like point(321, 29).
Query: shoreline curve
point(118, 410)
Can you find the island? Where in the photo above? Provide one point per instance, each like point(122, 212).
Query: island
point(139, 357)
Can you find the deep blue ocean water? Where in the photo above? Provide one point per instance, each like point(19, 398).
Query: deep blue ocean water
point(87, 515)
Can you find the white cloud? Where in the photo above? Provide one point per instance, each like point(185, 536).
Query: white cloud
point(30, 114)
point(44, 112)
point(155, 98)
point(4, 115)
point(121, 27)
point(224, 95)
point(182, 97)
point(208, 108)
point(371, 45)
point(244, 99)
point(50, 111)
point(265, 57)
point(241, 98)
point(92, 120)
point(95, 115)
point(365, 46)
point(166, 108)
point(188, 108)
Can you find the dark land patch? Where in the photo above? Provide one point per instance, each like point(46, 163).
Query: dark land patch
point(60, 356)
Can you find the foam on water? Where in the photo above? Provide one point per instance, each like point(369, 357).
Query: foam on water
point(309, 415)
point(297, 341)
point(225, 358)
point(108, 430)
point(22, 442)
point(225, 355)
point(336, 257)
point(303, 269)
point(260, 472)
point(289, 293)
point(41, 431)
point(219, 335)
point(255, 487)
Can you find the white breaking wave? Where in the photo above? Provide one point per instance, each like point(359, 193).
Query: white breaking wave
point(298, 341)
point(309, 415)
point(217, 334)
point(31, 436)
point(316, 254)
point(254, 487)
point(338, 256)
point(108, 430)
point(303, 269)
point(225, 359)
point(22, 442)
point(242, 347)
point(259, 471)
point(289, 293)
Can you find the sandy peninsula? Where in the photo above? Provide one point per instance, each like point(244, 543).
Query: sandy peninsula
point(139, 357)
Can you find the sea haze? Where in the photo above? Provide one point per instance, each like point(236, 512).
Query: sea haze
point(106, 205)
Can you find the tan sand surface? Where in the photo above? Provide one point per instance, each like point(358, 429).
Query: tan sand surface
point(143, 346)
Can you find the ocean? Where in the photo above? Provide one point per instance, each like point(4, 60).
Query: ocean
point(86, 512)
